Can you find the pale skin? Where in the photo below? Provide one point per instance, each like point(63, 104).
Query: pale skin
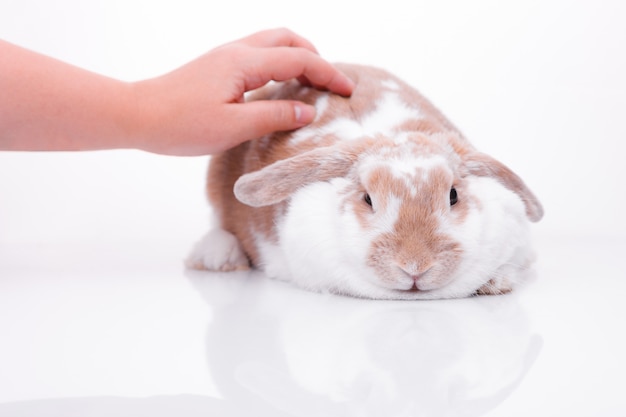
point(197, 109)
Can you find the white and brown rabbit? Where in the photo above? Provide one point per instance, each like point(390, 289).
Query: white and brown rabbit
point(380, 197)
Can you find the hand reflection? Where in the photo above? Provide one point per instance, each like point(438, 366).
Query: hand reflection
point(275, 349)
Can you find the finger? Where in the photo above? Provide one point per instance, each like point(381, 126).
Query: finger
point(264, 117)
point(281, 64)
point(278, 37)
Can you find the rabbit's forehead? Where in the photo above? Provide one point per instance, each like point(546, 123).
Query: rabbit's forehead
point(404, 165)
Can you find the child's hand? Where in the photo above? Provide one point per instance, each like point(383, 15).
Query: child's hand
point(199, 108)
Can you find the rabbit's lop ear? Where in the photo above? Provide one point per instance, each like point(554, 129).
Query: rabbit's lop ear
point(278, 181)
point(483, 165)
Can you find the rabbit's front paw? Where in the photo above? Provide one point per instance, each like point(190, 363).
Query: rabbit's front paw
point(218, 250)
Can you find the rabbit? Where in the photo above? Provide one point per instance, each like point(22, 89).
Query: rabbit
point(381, 197)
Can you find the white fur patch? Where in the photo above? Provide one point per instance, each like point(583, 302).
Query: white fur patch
point(390, 113)
point(273, 259)
point(405, 167)
point(218, 250)
point(320, 106)
point(404, 164)
point(495, 238)
point(387, 222)
point(390, 84)
point(332, 256)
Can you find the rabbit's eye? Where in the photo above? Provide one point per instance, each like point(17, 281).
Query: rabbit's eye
point(367, 199)
point(453, 196)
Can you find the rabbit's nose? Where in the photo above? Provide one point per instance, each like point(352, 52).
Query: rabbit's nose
point(416, 278)
point(415, 271)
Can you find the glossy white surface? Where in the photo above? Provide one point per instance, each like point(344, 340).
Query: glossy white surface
point(123, 330)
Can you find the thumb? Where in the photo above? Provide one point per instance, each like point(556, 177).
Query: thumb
point(268, 116)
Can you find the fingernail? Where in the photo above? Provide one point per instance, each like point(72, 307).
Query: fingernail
point(346, 87)
point(304, 113)
point(351, 84)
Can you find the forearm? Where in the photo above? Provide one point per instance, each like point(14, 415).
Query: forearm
point(46, 104)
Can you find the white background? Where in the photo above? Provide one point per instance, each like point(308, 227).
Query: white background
point(99, 318)
point(538, 84)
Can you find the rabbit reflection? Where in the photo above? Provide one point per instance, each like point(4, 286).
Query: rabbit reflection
point(277, 349)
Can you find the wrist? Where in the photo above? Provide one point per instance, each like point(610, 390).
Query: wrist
point(136, 120)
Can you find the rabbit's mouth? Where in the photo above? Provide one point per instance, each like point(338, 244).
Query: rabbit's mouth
point(414, 289)
point(424, 282)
